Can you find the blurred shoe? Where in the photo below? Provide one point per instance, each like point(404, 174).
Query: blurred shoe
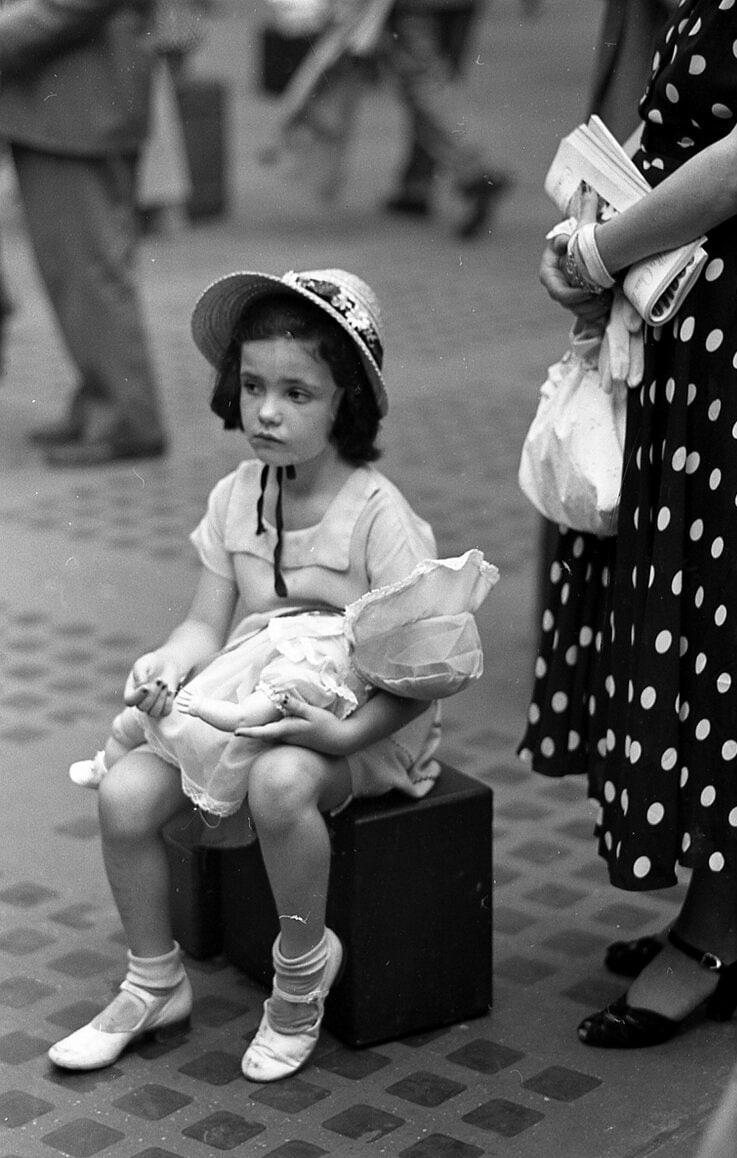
point(408, 204)
point(99, 452)
point(57, 434)
point(481, 194)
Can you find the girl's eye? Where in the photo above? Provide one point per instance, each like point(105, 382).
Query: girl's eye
point(249, 387)
point(299, 396)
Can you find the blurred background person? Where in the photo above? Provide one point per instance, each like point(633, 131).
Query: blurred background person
point(75, 162)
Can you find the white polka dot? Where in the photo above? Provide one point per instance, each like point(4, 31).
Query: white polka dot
point(686, 142)
point(611, 740)
point(559, 702)
point(686, 842)
point(572, 655)
point(548, 620)
point(683, 711)
point(663, 640)
point(635, 751)
point(671, 93)
point(578, 546)
point(715, 268)
point(716, 862)
point(692, 462)
point(573, 741)
point(717, 547)
point(608, 840)
point(696, 65)
point(624, 802)
point(540, 667)
point(547, 746)
point(700, 663)
point(677, 584)
point(720, 615)
point(684, 777)
point(729, 749)
point(696, 530)
point(708, 796)
point(725, 5)
point(634, 577)
point(533, 714)
point(714, 340)
point(670, 390)
point(714, 409)
point(668, 759)
point(696, 28)
point(565, 591)
point(688, 325)
point(682, 646)
point(585, 636)
point(721, 111)
point(715, 478)
point(699, 596)
point(609, 792)
point(641, 867)
point(648, 697)
point(555, 572)
point(663, 518)
point(703, 728)
point(601, 747)
point(724, 682)
point(679, 458)
point(655, 116)
point(691, 394)
point(655, 813)
point(732, 818)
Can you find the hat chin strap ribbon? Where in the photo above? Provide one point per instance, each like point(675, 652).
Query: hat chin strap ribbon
point(279, 585)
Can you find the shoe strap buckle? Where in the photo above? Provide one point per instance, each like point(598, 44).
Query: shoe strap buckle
point(711, 961)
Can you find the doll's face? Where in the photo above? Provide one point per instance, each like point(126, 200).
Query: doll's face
point(289, 400)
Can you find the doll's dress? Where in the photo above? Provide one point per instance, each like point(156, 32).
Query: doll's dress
point(416, 638)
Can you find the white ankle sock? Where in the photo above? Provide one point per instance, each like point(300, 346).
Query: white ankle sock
point(296, 976)
point(164, 972)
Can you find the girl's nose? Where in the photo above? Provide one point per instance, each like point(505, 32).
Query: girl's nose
point(269, 409)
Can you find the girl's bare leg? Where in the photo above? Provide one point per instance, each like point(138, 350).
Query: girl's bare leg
point(289, 788)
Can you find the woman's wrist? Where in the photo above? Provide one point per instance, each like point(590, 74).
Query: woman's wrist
point(583, 267)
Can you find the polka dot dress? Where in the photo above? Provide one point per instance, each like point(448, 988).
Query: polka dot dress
point(636, 680)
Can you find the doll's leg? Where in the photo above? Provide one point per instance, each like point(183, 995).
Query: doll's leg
point(289, 790)
point(137, 797)
point(126, 733)
point(255, 709)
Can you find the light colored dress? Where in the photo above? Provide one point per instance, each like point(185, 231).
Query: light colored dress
point(369, 537)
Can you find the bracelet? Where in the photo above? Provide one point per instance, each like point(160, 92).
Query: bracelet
point(589, 252)
point(575, 272)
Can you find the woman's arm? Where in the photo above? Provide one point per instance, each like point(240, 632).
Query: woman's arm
point(700, 195)
point(155, 676)
point(315, 728)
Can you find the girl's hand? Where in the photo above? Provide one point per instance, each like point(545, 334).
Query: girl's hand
point(589, 307)
point(152, 684)
point(306, 727)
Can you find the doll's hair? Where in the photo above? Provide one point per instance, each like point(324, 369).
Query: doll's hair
point(356, 424)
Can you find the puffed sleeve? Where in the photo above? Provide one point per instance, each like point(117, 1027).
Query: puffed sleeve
point(208, 536)
point(396, 538)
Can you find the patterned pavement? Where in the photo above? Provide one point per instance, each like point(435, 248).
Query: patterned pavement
point(95, 565)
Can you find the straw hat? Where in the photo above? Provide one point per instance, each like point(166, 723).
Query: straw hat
point(342, 296)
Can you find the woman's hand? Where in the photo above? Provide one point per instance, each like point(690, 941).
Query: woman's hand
point(589, 307)
point(306, 727)
point(152, 684)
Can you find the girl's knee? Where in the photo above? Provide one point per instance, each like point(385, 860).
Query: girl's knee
point(281, 785)
point(132, 804)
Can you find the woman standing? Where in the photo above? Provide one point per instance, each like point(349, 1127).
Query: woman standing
point(637, 675)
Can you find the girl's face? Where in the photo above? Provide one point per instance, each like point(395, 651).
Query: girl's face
point(289, 400)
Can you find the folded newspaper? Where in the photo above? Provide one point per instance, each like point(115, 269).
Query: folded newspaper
point(657, 285)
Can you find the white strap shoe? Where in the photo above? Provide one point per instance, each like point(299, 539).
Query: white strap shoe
point(164, 1016)
point(273, 1055)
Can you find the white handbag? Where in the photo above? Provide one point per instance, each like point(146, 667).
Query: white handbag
point(571, 463)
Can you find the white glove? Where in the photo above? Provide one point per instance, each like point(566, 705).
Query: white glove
point(621, 358)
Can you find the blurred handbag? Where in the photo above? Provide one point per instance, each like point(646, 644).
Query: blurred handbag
point(571, 463)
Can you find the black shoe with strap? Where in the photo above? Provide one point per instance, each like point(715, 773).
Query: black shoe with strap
point(629, 958)
point(623, 1026)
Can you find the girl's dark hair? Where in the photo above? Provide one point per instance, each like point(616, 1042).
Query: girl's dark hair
point(356, 424)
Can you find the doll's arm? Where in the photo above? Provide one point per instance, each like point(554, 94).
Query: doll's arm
point(155, 676)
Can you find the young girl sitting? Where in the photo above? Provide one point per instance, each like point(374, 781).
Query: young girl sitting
point(311, 526)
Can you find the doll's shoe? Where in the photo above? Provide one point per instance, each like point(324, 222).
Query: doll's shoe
point(273, 1055)
point(163, 1017)
point(629, 958)
point(89, 773)
point(623, 1026)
